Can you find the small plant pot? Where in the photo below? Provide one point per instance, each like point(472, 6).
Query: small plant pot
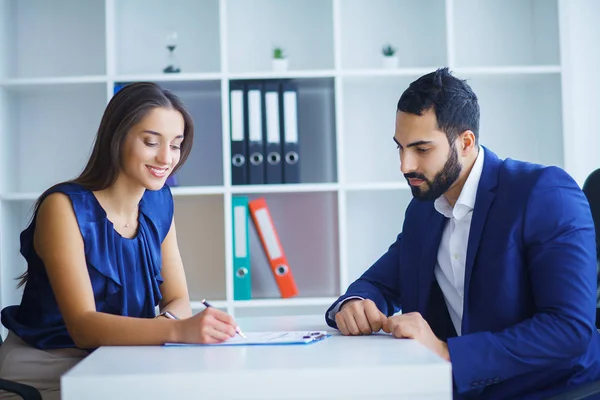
point(389, 62)
point(280, 64)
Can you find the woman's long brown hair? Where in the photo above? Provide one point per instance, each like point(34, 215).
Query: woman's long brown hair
point(126, 108)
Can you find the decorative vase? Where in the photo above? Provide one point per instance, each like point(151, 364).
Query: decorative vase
point(280, 64)
point(390, 62)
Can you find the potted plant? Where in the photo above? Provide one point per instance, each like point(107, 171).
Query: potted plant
point(390, 59)
point(280, 61)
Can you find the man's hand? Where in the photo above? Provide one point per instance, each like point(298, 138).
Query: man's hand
point(360, 317)
point(413, 326)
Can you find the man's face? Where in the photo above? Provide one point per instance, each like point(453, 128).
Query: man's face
point(428, 162)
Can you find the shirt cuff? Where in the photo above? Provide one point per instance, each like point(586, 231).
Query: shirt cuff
point(339, 305)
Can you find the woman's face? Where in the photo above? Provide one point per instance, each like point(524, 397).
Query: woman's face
point(152, 148)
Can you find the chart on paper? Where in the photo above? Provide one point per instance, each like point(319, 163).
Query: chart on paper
point(270, 338)
point(261, 337)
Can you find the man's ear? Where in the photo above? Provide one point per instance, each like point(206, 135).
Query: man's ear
point(466, 142)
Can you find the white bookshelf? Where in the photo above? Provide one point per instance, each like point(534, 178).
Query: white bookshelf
point(59, 60)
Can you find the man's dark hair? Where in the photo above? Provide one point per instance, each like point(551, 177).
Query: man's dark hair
point(453, 101)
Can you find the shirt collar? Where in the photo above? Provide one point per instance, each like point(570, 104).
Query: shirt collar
point(468, 194)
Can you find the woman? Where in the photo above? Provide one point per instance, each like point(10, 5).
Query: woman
point(102, 251)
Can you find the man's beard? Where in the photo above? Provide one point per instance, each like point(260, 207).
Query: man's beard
point(442, 181)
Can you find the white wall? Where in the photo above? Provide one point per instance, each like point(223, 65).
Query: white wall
point(580, 54)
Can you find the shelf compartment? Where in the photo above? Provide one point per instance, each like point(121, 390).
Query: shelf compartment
point(200, 228)
point(15, 218)
point(204, 166)
point(316, 130)
point(7, 124)
point(6, 35)
point(46, 145)
point(506, 32)
point(55, 38)
point(307, 225)
point(369, 25)
point(374, 220)
point(521, 116)
point(370, 154)
point(254, 28)
point(142, 26)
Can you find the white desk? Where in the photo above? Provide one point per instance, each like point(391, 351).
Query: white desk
point(362, 367)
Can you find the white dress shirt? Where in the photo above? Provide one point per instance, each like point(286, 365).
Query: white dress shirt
point(452, 253)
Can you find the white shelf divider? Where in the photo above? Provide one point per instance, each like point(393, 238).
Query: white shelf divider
point(226, 137)
point(25, 196)
point(285, 188)
point(62, 80)
point(387, 72)
point(339, 117)
point(197, 305)
point(291, 302)
point(509, 70)
point(450, 37)
point(179, 191)
point(189, 76)
point(356, 187)
point(297, 74)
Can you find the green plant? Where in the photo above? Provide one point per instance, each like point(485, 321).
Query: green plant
point(278, 53)
point(388, 50)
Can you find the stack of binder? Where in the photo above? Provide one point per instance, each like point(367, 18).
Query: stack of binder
point(264, 132)
point(260, 214)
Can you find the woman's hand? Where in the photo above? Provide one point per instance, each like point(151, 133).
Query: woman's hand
point(209, 326)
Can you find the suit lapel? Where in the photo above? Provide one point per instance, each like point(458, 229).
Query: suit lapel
point(483, 202)
point(482, 206)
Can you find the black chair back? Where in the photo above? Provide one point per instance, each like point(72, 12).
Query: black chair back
point(591, 188)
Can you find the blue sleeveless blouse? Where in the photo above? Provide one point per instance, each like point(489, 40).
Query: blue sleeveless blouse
point(125, 273)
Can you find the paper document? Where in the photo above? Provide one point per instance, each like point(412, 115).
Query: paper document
point(268, 338)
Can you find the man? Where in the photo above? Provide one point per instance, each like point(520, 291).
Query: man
point(495, 269)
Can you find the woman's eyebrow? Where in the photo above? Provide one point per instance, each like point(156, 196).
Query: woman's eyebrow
point(159, 134)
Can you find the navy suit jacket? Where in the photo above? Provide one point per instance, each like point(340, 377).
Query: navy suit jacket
point(530, 284)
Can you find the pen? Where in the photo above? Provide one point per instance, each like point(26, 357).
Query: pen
point(237, 328)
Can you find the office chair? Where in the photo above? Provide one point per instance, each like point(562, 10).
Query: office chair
point(591, 188)
point(25, 391)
